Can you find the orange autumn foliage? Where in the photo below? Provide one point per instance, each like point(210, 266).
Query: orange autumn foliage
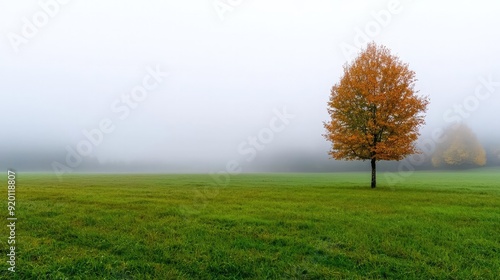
point(375, 110)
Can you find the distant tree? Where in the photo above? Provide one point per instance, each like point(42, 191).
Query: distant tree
point(460, 148)
point(375, 110)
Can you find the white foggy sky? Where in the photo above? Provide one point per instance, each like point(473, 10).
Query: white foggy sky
point(226, 76)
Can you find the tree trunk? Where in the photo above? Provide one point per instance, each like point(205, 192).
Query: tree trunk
point(374, 173)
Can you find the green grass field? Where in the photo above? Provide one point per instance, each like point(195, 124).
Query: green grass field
point(432, 225)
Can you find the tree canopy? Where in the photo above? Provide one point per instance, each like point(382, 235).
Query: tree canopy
point(461, 148)
point(375, 110)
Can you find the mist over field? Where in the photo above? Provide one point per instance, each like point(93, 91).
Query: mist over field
point(194, 87)
point(124, 121)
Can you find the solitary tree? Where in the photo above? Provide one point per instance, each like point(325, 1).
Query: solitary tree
point(461, 148)
point(375, 110)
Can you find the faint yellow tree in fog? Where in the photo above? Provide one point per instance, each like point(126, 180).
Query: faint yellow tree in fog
point(460, 148)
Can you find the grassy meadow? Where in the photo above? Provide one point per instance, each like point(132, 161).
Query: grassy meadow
point(432, 225)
